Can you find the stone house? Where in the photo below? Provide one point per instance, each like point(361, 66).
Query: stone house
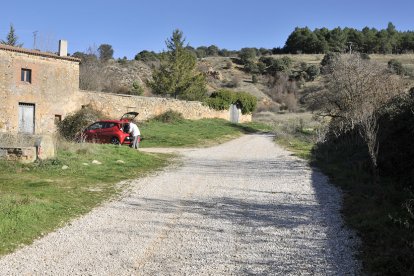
point(36, 89)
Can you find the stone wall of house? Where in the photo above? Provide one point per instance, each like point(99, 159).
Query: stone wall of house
point(115, 105)
point(54, 81)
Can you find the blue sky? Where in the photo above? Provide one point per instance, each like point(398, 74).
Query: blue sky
point(132, 26)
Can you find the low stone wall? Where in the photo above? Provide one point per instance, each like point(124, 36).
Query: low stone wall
point(115, 105)
point(21, 154)
point(44, 145)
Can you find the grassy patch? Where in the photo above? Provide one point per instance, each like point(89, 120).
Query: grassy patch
point(37, 198)
point(297, 132)
point(189, 133)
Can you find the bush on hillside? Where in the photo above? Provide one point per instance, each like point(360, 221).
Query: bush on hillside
point(396, 67)
point(74, 123)
point(327, 60)
point(222, 99)
point(312, 72)
point(169, 116)
point(137, 89)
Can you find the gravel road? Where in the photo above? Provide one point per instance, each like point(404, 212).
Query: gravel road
point(246, 207)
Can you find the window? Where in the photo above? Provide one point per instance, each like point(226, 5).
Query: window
point(58, 119)
point(98, 125)
point(109, 125)
point(26, 75)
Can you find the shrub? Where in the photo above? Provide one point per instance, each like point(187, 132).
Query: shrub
point(169, 116)
point(328, 58)
point(312, 72)
point(234, 82)
point(251, 67)
point(246, 102)
point(222, 99)
point(247, 54)
point(396, 67)
point(365, 56)
point(273, 65)
point(254, 79)
point(146, 56)
point(74, 123)
point(137, 89)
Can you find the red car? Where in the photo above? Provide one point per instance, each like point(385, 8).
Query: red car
point(110, 131)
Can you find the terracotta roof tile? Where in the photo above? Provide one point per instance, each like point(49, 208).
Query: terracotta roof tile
point(36, 53)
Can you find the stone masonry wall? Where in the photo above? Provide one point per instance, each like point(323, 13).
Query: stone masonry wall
point(115, 105)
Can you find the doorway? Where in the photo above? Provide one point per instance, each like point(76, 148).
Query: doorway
point(26, 118)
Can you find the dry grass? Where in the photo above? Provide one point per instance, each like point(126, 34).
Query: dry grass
point(308, 58)
point(406, 59)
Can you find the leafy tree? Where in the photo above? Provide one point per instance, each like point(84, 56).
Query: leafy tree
point(177, 75)
point(222, 99)
point(105, 52)
point(265, 52)
point(337, 40)
point(389, 40)
point(201, 51)
point(302, 40)
point(212, 50)
point(369, 40)
point(247, 54)
point(322, 45)
point(84, 57)
point(11, 38)
point(146, 56)
point(383, 42)
point(407, 42)
point(354, 37)
point(224, 53)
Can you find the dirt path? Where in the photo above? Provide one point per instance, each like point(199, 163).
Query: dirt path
point(244, 207)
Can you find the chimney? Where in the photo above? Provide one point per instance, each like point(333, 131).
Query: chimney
point(63, 48)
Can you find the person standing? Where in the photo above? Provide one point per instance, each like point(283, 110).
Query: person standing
point(136, 135)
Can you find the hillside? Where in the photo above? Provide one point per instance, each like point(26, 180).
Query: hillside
point(228, 73)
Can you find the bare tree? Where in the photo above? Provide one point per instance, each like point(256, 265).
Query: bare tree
point(356, 90)
point(282, 90)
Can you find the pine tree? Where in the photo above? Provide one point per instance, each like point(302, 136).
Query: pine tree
point(11, 38)
point(177, 75)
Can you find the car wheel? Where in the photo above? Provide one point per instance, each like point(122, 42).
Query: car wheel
point(115, 141)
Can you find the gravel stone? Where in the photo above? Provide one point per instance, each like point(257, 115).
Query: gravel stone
point(241, 208)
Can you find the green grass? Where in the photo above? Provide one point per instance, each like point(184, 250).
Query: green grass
point(300, 146)
point(40, 197)
point(188, 133)
point(37, 198)
point(296, 132)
